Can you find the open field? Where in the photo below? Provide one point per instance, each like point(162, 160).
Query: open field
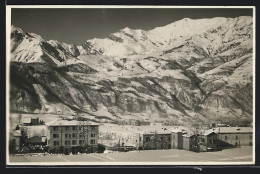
point(172, 156)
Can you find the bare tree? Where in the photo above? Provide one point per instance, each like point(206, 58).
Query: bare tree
point(83, 131)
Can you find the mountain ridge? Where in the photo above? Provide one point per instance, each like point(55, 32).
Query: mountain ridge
point(191, 76)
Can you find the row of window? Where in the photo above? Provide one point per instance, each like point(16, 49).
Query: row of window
point(148, 139)
point(56, 128)
point(226, 137)
point(73, 142)
point(72, 135)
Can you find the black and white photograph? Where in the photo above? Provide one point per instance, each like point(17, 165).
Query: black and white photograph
point(130, 85)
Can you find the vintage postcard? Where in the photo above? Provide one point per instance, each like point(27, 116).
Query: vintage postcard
point(130, 85)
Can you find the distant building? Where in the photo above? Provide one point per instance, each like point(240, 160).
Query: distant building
point(208, 141)
point(153, 139)
point(190, 142)
point(234, 136)
point(34, 120)
point(63, 135)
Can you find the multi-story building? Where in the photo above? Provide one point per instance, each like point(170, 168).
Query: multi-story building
point(234, 136)
point(153, 139)
point(64, 135)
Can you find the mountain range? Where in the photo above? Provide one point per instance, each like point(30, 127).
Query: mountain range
point(190, 71)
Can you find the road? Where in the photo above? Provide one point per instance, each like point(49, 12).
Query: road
point(243, 154)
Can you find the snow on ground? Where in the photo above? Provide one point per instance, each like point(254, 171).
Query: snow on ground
point(161, 157)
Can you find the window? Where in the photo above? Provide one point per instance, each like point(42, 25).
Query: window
point(161, 138)
point(56, 143)
point(212, 141)
point(74, 142)
point(250, 137)
point(81, 142)
point(92, 141)
point(236, 137)
point(202, 140)
point(225, 137)
point(74, 128)
point(73, 135)
point(80, 135)
point(67, 128)
point(92, 135)
point(55, 135)
point(169, 138)
point(93, 128)
point(66, 135)
point(140, 138)
point(147, 139)
point(67, 142)
point(236, 144)
point(55, 128)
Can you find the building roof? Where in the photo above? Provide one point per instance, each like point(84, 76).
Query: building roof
point(177, 130)
point(188, 134)
point(71, 123)
point(206, 133)
point(224, 130)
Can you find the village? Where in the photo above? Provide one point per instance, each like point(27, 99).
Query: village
point(73, 135)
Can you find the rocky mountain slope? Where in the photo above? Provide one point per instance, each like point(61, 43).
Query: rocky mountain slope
point(188, 71)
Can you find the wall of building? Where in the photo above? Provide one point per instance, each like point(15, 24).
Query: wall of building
point(211, 141)
point(235, 139)
point(177, 140)
point(67, 137)
point(153, 141)
point(186, 143)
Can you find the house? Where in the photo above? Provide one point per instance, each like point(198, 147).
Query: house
point(190, 142)
point(208, 141)
point(34, 120)
point(153, 139)
point(15, 141)
point(234, 136)
point(65, 135)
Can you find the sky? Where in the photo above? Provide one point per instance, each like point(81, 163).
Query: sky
point(75, 26)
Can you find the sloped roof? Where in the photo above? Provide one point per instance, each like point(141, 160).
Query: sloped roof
point(220, 130)
point(206, 133)
point(188, 134)
point(70, 123)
